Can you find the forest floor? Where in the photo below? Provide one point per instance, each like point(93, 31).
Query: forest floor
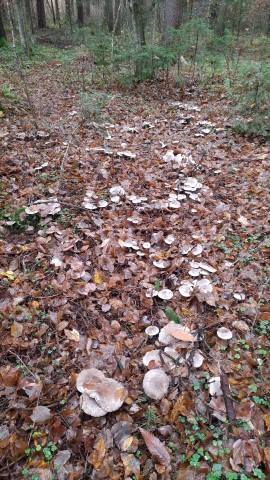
point(181, 240)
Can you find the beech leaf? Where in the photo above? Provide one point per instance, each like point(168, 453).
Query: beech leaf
point(156, 448)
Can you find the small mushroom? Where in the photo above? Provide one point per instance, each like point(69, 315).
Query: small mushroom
point(165, 294)
point(224, 333)
point(215, 386)
point(156, 384)
point(186, 288)
point(197, 359)
point(239, 296)
point(152, 330)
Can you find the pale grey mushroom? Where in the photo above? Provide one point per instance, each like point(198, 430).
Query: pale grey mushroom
point(90, 406)
point(156, 384)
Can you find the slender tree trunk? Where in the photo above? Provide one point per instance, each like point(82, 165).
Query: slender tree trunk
point(222, 18)
point(41, 16)
point(68, 13)
point(173, 15)
point(80, 15)
point(87, 11)
point(53, 12)
point(21, 26)
point(3, 36)
point(57, 13)
point(29, 15)
point(113, 15)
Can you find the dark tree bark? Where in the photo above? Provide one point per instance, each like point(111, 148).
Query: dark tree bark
point(57, 13)
point(3, 36)
point(80, 15)
point(173, 15)
point(41, 16)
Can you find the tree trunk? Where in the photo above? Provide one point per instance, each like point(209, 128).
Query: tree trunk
point(221, 27)
point(80, 15)
point(113, 13)
point(21, 26)
point(29, 15)
point(137, 23)
point(57, 13)
point(173, 14)
point(3, 36)
point(87, 11)
point(41, 16)
point(68, 13)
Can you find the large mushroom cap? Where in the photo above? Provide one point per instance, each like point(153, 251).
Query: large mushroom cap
point(88, 376)
point(100, 394)
point(156, 384)
point(90, 406)
point(109, 394)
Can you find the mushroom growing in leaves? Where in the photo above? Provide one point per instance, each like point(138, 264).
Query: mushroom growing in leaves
point(156, 384)
point(100, 394)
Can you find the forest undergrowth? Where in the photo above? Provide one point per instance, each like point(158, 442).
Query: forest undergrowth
point(122, 210)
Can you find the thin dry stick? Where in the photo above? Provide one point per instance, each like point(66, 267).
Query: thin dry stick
point(58, 185)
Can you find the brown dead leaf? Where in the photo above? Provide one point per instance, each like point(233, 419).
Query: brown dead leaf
point(72, 334)
point(180, 334)
point(183, 406)
point(16, 329)
point(41, 414)
point(97, 456)
point(156, 448)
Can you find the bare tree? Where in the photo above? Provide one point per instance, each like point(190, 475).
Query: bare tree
point(19, 13)
point(68, 13)
point(57, 13)
point(173, 15)
point(41, 16)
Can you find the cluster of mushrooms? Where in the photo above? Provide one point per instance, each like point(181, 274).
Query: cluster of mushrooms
point(101, 395)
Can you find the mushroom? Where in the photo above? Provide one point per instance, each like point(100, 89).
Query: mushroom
point(165, 294)
point(88, 376)
point(156, 384)
point(107, 394)
point(186, 288)
point(215, 386)
point(152, 330)
point(152, 356)
point(224, 333)
point(90, 406)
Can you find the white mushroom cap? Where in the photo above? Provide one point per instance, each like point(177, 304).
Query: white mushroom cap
point(239, 296)
point(88, 376)
point(152, 356)
point(197, 359)
point(152, 330)
point(165, 338)
point(109, 394)
point(215, 386)
point(224, 333)
point(165, 294)
point(90, 406)
point(156, 384)
point(186, 288)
